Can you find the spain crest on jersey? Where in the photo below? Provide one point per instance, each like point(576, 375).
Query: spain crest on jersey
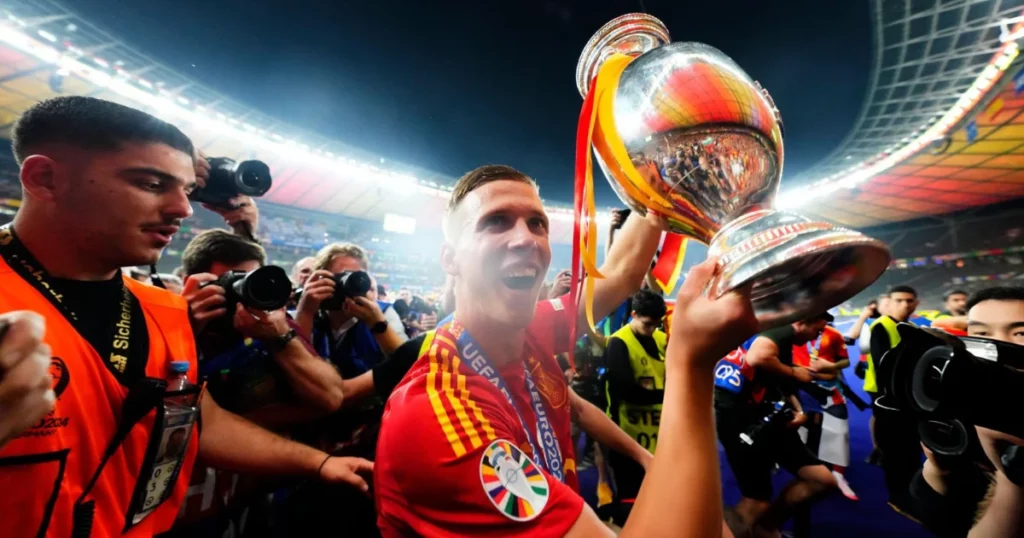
point(513, 483)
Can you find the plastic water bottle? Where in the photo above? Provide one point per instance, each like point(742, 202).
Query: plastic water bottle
point(179, 381)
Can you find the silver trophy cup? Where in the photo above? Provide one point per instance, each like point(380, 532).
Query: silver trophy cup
point(707, 140)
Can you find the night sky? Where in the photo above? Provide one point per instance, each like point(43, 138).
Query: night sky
point(449, 85)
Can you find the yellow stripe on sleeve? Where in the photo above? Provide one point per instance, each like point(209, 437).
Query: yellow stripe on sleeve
point(465, 397)
point(435, 402)
point(455, 401)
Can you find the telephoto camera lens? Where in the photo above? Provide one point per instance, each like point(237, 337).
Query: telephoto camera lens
point(229, 178)
point(267, 288)
point(977, 391)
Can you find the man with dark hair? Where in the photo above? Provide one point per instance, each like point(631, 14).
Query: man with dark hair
point(746, 385)
point(954, 318)
point(487, 382)
point(219, 247)
point(951, 493)
point(636, 387)
point(956, 303)
point(896, 432)
point(83, 124)
point(81, 159)
point(999, 313)
point(254, 365)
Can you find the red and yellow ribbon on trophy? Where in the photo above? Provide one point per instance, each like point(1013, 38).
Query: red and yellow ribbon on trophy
point(597, 129)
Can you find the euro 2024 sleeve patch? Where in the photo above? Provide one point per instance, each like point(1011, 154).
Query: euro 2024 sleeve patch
point(513, 483)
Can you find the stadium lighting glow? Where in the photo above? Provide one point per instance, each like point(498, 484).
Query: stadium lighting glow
point(1005, 35)
point(399, 224)
point(865, 170)
point(179, 110)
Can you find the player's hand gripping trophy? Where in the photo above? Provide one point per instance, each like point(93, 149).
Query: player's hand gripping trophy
point(681, 130)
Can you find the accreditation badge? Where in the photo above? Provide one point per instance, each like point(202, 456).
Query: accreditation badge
point(172, 433)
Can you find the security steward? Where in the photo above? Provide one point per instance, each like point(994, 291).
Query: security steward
point(895, 432)
point(636, 384)
point(104, 187)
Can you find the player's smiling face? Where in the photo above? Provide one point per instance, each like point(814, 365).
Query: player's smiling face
point(501, 251)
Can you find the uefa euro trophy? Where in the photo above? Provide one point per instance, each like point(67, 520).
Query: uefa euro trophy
point(700, 143)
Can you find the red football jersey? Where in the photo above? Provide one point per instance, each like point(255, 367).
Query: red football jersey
point(452, 456)
point(832, 347)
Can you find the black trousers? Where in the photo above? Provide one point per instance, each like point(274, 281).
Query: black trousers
point(902, 456)
point(629, 475)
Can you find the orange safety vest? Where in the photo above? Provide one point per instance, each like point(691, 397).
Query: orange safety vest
point(44, 471)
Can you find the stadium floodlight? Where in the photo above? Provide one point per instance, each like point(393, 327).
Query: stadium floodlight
point(865, 170)
point(1005, 34)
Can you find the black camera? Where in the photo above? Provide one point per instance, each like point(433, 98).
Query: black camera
point(267, 288)
point(774, 415)
point(347, 285)
point(953, 384)
point(229, 178)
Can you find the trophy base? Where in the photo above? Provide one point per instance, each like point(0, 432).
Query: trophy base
point(797, 268)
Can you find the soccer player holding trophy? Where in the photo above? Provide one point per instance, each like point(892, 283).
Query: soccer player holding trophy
point(474, 439)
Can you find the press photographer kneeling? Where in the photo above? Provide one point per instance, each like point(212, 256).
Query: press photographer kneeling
point(964, 394)
point(757, 415)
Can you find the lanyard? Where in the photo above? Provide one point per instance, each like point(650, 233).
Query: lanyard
point(471, 354)
point(29, 269)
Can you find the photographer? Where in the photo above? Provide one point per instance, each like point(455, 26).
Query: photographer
point(355, 333)
point(329, 330)
point(254, 365)
point(949, 493)
point(293, 381)
point(239, 211)
point(748, 389)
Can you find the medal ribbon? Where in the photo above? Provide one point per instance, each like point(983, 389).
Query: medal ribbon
point(550, 458)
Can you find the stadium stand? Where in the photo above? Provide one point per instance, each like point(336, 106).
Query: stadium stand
point(289, 234)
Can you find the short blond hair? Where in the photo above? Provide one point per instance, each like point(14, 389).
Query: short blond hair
point(350, 250)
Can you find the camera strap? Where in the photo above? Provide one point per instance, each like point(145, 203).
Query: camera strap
point(122, 325)
point(154, 277)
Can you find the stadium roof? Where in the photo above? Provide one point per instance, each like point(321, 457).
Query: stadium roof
point(47, 50)
point(937, 66)
point(939, 71)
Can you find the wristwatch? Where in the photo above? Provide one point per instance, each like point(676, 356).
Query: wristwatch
point(278, 343)
point(380, 327)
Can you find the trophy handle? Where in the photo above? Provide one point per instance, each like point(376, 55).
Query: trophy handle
point(772, 106)
point(632, 34)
